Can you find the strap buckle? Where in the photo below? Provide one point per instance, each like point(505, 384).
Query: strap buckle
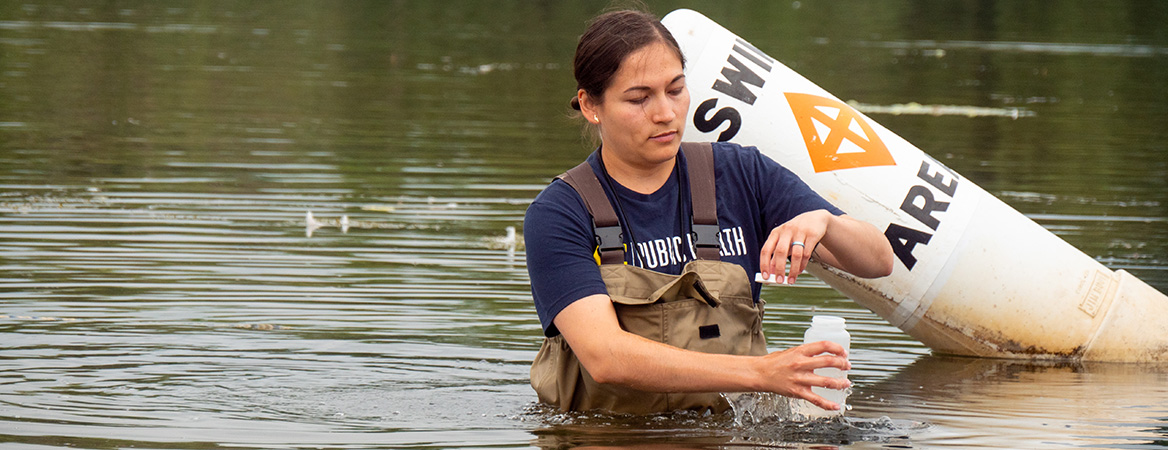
point(609, 238)
point(706, 236)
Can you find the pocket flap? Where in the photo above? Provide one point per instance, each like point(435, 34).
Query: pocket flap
point(636, 286)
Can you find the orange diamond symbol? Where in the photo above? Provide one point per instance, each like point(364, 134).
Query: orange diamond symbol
point(836, 136)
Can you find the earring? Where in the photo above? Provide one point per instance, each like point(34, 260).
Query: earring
point(597, 119)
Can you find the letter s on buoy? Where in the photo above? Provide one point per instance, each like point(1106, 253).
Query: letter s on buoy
point(727, 114)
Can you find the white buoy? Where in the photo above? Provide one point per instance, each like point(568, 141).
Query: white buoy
point(973, 276)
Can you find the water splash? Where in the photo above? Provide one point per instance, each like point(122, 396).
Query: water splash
point(761, 417)
point(758, 407)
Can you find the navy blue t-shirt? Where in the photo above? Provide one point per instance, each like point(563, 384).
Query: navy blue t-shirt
point(754, 194)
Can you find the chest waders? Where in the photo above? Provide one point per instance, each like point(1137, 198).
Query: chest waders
point(708, 308)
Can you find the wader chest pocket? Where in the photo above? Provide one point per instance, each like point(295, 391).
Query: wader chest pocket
point(708, 308)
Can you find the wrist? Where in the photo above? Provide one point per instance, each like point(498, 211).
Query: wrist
point(829, 223)
point(756, 376)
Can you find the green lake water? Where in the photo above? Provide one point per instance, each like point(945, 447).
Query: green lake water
point(160, 287)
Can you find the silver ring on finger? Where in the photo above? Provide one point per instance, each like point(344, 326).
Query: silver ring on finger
point(797, 243)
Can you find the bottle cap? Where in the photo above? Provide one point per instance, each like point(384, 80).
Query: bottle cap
point(827, 320)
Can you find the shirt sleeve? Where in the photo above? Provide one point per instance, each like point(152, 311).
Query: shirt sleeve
point(782, 195)
point(557, 232)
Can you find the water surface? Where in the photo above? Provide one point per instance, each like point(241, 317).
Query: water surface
point(160, 286)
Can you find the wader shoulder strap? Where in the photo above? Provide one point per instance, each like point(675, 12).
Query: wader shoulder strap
point(607, 229)
point(699, 158)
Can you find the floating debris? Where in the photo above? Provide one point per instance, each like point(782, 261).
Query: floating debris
point(38, 318)
point(310, 224)
point(242, 326)
point(260, 326)
point(914, 108)
point(379, 208)
point(1058, 48)
point(509, 241)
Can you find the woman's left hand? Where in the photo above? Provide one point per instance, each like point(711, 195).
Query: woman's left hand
point(849, 244)
point(796, 239)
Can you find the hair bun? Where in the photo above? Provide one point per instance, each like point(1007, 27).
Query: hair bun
point(575, 103)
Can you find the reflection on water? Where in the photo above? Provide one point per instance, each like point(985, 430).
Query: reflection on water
point(998, 403)
point(162, 283)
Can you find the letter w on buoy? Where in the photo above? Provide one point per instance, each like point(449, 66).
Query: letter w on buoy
point(836, 136)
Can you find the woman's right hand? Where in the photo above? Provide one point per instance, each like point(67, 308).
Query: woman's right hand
point(791, 372)
point(613, 355)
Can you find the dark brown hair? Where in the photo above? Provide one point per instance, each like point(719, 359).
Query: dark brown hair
point(609, 39)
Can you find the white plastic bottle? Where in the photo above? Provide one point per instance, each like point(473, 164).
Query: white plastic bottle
point(827, 328)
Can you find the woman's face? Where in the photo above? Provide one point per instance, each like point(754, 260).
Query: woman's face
point(643, 112)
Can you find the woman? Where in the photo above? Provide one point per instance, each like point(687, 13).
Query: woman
point(598, 354)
